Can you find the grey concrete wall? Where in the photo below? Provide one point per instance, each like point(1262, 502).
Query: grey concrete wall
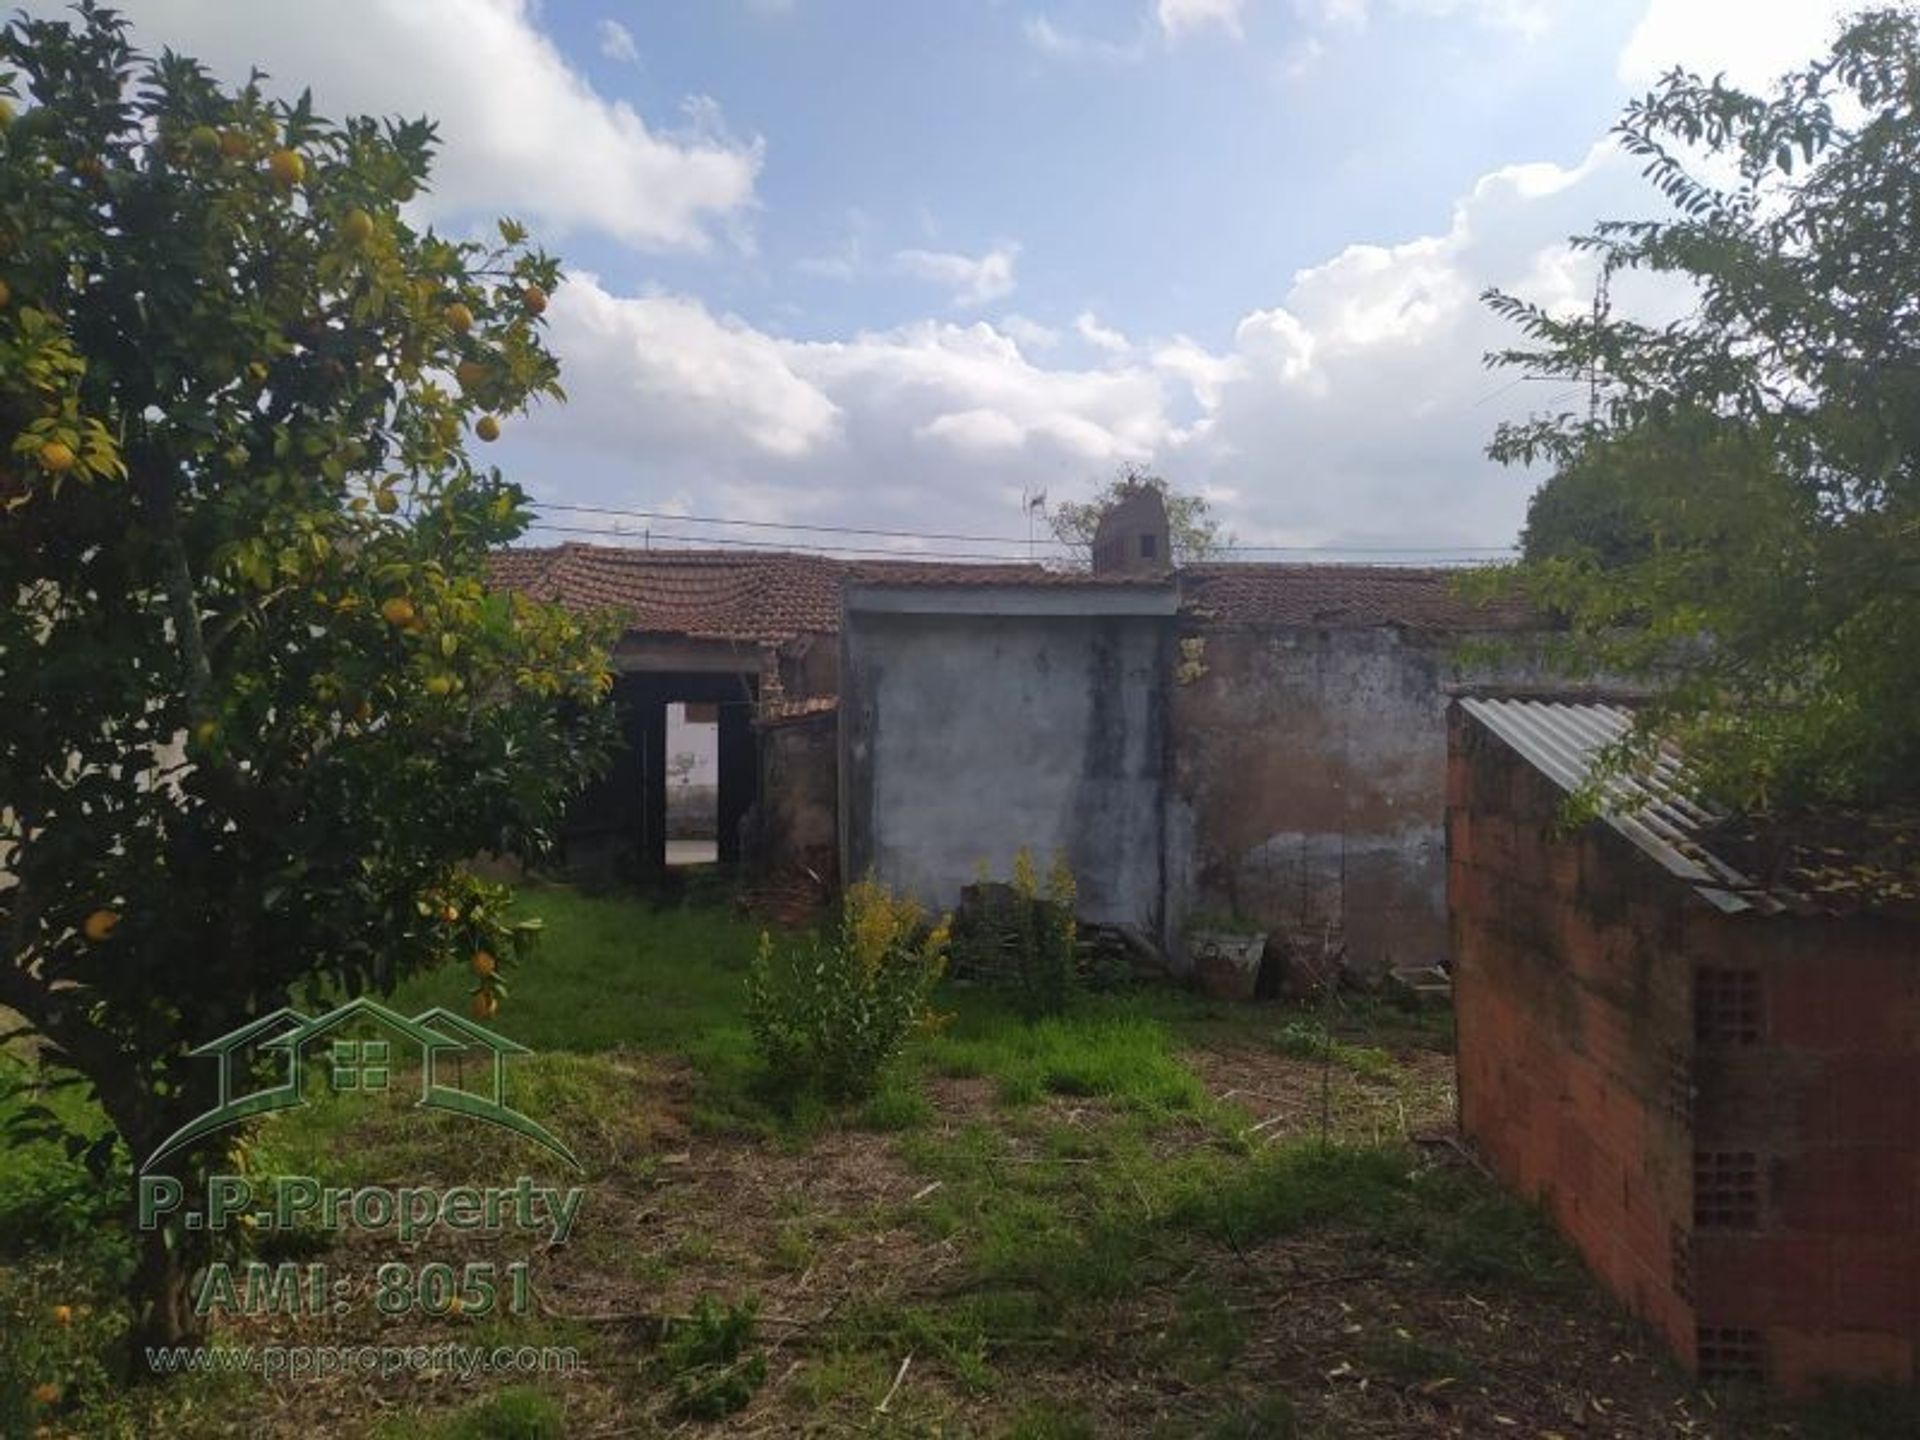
point(1309, 780)
point(968, 736)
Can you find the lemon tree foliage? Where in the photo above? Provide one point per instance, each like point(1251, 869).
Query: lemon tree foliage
point(258, 703)
point(1736, 517)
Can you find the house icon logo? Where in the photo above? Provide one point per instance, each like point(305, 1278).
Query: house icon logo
point(297, 1043)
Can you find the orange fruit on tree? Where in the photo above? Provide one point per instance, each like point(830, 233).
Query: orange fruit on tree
point(99, 925)
point(57, 456)
point(469, 373)
point(439, 685)
point(234, 145)
point(483, 963)
point(485, 1005)
point(63, 1314)
point(398, 611)
point(458, 317)
point(357, 227)
point(386, 502)
point(487, 428)
point(46, 1393)
point(287, 167)
point(534, 299)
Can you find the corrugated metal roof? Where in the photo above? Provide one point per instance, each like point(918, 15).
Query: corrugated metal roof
point(1659, 812)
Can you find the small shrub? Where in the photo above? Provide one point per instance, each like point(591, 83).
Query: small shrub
point(1024, 935)
point(830, 1018)
point(712, 1368)
point(1310, 1040)
point(514, 1413)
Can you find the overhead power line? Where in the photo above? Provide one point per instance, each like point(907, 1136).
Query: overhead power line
point(957, 536)
point(681, 539)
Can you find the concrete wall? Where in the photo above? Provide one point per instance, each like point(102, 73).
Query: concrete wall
point(966, 736)
point(1721, 1111)
point(1309, 784)
point(798, 820)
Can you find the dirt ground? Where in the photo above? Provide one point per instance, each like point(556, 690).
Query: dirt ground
point(1310, 1334)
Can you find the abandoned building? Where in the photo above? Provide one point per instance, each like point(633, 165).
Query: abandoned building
point(1713, 1082)
point(1256, 745)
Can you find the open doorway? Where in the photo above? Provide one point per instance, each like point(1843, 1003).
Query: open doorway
point(693, 783)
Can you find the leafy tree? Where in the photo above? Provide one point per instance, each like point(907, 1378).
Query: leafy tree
point(258, 702)
point(1192, 531)
point(1585, 510)
point(1765, 449)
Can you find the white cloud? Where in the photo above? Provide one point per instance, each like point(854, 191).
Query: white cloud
point(522, 132)
point(1753, 41)
point(974, 279)
point(1029, 334)
point(1062, 44)
point(1088, 327)
point(664, 367)
point(616, 42)
point(1353, 410)
point(1180, 17)
point(1528, 18)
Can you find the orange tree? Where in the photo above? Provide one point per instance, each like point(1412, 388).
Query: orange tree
point(258, 704)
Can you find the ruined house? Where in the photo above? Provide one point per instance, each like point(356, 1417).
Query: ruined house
point(1261, 745)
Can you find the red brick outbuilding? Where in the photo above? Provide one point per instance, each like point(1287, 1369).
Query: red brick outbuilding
point(1712, 1084)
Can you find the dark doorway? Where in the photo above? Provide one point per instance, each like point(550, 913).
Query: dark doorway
point(626, 820)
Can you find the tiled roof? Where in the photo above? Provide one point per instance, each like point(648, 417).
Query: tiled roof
point(1340, 596)
point(772, 596)
point(763, 597)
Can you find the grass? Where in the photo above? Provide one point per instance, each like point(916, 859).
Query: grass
point(1091, 1208)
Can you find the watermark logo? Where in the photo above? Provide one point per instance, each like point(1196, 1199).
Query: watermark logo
point(360, 1066)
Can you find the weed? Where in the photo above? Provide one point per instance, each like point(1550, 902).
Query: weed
point(1407, 1360)
point(517, 1412)
point(1308, 1040)
point(1049, 1420)
point(1271, 1417)
point(1206, 1337)
point(830, 1019)
point(710, 1362)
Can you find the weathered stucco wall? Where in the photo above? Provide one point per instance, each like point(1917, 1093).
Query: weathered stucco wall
point(1309, 787)
point(966, 736)
point(797, 824)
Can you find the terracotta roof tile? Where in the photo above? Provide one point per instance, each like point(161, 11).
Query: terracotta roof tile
point(772, 596)
point(1340, 596)
point(705, 595)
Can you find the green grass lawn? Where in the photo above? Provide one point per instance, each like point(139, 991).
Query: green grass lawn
point(1152, 1215)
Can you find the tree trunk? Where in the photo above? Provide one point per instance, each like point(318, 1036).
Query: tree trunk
point(161, 1293)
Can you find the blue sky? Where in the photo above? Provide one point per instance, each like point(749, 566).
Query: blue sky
point(896, 265)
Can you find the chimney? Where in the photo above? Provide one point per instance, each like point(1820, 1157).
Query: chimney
point(1132, 536)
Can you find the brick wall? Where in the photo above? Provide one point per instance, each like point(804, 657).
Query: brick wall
point(1575, 1026)
point(1722, 1112)
point(1808, 1077)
